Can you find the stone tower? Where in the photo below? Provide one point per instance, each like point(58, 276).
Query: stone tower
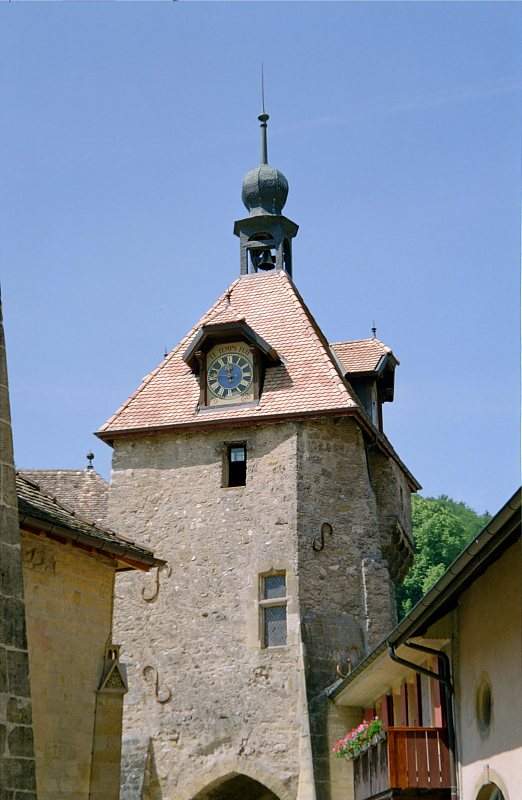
point(249, 462)
point(17, 768)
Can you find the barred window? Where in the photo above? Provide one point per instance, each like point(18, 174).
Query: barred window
point(272, 604)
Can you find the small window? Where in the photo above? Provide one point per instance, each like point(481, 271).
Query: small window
point(272, 603)
point(235, 465)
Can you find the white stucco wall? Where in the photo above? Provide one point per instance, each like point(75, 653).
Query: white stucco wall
point(490, 648)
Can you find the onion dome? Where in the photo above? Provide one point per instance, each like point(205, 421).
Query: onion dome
point(265, 188)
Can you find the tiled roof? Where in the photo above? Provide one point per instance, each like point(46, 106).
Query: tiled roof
point(84, 490)
point(35, 507)
point(307, 381)
point(361, 355)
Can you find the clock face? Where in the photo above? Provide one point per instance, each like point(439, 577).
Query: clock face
point(229, 373)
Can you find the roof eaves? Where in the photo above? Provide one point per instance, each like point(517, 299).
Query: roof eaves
point(39, 520)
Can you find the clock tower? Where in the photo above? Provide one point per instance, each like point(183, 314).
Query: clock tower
point(253, 460)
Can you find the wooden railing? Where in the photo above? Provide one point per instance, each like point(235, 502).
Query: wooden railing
point(406, 758)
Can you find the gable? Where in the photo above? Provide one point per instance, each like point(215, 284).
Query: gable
point(307, 381)
point(361, 356)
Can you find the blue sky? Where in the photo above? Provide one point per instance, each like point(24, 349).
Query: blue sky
point(126, 130)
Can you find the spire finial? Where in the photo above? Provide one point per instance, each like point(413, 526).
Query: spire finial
point(374, 330)
point(263, 87)
point(90, 459)
point(263, 119)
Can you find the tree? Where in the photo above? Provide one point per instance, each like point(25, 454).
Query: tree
point(441, 529)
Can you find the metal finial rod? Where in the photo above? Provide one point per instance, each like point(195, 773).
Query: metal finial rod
point(90, 459)
point(374, 330)
point(263, 119)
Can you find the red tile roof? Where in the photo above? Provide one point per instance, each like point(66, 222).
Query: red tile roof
point(361, 355)
point(307, 381)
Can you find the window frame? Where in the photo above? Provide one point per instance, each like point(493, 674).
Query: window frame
point(271, 602)
point(227, 450)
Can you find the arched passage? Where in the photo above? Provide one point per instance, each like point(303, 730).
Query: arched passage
point(236, 787)
point(490, 792)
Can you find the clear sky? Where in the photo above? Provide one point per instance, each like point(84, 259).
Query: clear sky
point(126, 129)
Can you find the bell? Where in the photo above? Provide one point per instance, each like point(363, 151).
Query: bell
point(267, 260)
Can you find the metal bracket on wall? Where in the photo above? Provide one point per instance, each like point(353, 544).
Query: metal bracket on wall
point(151, 675)
point(326, 529)
point(150, 593)
point(340, 672)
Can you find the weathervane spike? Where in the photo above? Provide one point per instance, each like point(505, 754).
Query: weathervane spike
point(263, 119)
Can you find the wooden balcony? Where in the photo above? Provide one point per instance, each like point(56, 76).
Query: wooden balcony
point(405, 761)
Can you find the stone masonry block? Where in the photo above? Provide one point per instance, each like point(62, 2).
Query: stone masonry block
point(3, 662)
point(18, 673)
point(12, 622)
point(6, 446)
point(19, 711)
point(20, 741)
point(9, 520)
point(11, 579)
point(19, 773)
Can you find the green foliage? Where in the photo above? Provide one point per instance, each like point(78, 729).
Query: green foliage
point(441, 528)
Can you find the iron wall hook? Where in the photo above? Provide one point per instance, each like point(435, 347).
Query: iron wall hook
point(326, 528)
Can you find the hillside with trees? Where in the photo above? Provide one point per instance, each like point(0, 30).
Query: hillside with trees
point(441, 528)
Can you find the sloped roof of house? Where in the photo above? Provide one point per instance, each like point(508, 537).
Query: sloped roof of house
point(308, 382)
point(83, 490)
point(361, 355)
point(40, 512)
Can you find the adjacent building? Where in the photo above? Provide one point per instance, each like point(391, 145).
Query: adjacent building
point(77, 681)
point(447, 683)
point(61, 680)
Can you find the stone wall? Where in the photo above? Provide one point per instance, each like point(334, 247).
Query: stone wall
point(17, 773)
point(200, 687)
point(69, 607)
point(205, 697)
point(338, 614)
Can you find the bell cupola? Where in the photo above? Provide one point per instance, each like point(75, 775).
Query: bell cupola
point(266, 235)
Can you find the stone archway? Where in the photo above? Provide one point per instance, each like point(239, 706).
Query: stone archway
point(490, 792)
point(237, 786)
point(221, 777)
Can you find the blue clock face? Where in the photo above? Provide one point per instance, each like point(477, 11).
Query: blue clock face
point(229, 376)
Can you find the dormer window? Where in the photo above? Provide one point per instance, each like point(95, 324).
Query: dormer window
point(369, 365)
point(229, 359)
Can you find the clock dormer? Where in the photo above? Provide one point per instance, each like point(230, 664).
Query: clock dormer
point(229, 360)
